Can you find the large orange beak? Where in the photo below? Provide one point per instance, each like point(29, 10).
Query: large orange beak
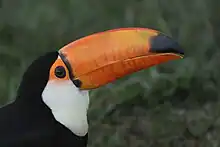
point(101, 58)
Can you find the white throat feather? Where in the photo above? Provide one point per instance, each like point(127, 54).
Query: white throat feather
point(68, 104)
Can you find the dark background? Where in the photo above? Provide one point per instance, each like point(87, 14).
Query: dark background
point(176, 104)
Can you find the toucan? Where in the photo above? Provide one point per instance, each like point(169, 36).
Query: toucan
point(50, 109)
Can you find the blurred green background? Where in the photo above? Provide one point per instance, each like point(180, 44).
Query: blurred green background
point(176, 104)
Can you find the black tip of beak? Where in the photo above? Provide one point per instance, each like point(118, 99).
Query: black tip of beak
point(165, 44)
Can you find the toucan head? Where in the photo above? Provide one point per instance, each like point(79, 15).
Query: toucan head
point(91, 62)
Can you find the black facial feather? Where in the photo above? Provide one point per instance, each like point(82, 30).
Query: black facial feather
point(36, 77)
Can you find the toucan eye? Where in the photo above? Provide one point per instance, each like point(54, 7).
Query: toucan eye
point(60, 72)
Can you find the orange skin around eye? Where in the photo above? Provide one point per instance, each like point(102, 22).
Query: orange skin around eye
point(53, 77)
